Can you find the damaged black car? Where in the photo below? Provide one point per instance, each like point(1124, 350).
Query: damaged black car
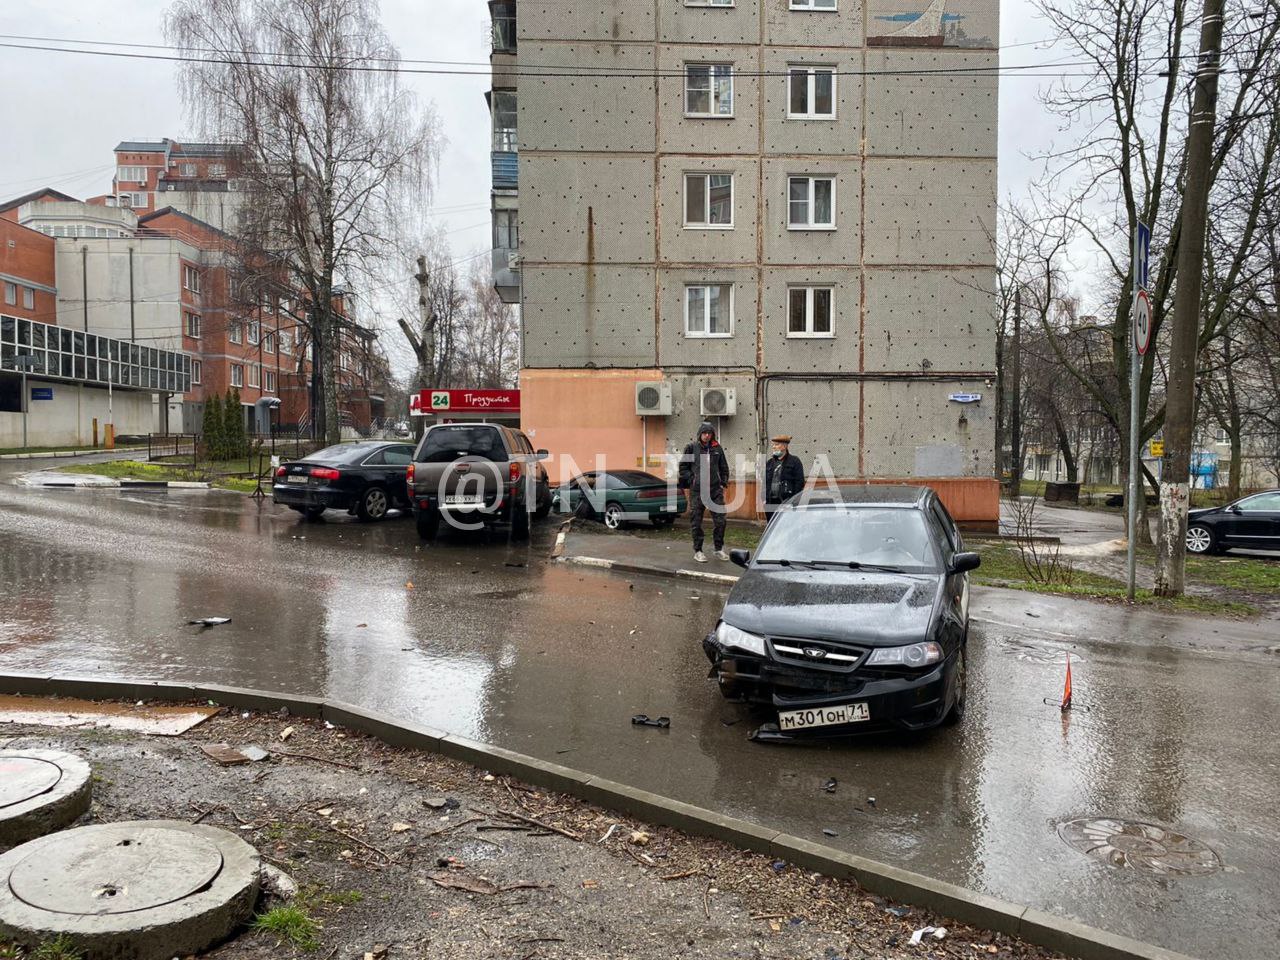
point(852, 616)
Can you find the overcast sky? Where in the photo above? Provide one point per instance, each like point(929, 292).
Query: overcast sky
point(62, 114)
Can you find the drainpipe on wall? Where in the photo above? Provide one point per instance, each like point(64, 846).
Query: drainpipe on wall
point(133, 332)
point(84, 286)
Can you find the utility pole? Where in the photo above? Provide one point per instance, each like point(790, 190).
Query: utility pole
point(1015, 399)
point(1175, 485)
point(428, 355)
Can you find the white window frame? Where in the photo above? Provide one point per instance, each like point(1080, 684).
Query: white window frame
point(810, 224)
point(11, 293)
point(705, 333)
point(234, 333)
point(705, 223)
point(217, 169)
point(255, 332)
point(810, 291)
point(708, 3)
point(269, 380)
point(255, 375)
point(197, 368)
point(284, 342)
point(716, 72)
point(269, 343)
point(125, 173)
point(193, 326)
point(237, 375)
point(814, 6)
point(190, 278)
point(28, 298)
point(188, 169)
point(811, 90)
point(136, 199)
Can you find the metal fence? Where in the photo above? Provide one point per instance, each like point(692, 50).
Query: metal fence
point(173, 447)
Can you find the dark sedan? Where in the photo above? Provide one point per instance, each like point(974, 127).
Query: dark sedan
point(852, 616)
point(616, 497)
point(1251, 523)
point(366, 479)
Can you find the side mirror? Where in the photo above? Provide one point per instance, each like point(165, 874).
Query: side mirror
point(542, 454)
point(740, 557)
point(1234, 509)
point(964, 562)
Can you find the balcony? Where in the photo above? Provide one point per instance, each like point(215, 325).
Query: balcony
point(506, 170)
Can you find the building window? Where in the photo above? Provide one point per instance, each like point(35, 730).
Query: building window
point(813, 4)
point(269, 343)
point(270, 376)
point(809, 312)
point(504, 121)
point(11, 293)
point(708, 90)
point(504, 26)
point(28, 298)
point(235, 334)
point(190, 278)
point(193, 325)
point(217, 169)
point(133, 200)
point(708, 200)
point(255, 332)
point(255, 375)
point(196, 370)
point(131, 175)
point(506, 229)
point(187, 169)
point(812, 203)
point(284, 342)
point(812, 93)
point(708, 3)
point(708, 310)
point(237, 375)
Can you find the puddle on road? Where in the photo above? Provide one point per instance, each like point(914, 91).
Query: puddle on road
point(160, 721)
point(1144, 847)
point(1033, 652)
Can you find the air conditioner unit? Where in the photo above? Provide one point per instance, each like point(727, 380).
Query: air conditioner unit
point(719, 401)
point(653, 398)
point(513, 261)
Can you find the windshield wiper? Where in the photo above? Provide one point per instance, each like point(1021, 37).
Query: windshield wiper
point(780, 563)
point(852, 565)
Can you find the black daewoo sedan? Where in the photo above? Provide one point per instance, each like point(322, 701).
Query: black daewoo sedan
point(1252, 523)
point(366, 479)
point(852, 616)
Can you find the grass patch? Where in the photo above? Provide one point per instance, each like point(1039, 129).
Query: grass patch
point(1237, 573)
point(135, 470)
point(1002, 566)
point(60, 949)
point(292, 924)
point(241, 485)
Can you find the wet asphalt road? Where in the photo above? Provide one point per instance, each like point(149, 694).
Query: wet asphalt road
point(495, 643)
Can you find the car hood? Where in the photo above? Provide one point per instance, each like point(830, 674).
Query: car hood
point(1204, 512)
point(866, 607)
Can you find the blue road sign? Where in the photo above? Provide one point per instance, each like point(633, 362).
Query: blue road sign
point(42, 393)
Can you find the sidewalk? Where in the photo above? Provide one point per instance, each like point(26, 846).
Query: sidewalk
point(57, 454)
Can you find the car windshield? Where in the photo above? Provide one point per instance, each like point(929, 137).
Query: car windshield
point(446, 444)
point(635, 478)
point(869, 536)
point(344, 453)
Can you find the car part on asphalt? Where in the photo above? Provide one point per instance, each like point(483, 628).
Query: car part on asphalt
point(641, 720)
point(1145, 847)
point(40, 791)
point(830, 785)
point(148, 890)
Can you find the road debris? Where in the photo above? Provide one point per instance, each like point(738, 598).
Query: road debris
point(830, 785)
point(609, 833)
point(208, 621)
point(640, 838)
point(286, 733)
point(400, 827)
point(277, 883)
point(224, 754)
point(936, 932)
point(481, 885)
point(828, 832)
point(642, 720)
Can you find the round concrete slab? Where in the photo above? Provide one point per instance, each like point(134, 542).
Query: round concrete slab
point(150, 890)
point(40, 791)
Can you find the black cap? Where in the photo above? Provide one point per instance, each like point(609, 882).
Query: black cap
point(706, 428)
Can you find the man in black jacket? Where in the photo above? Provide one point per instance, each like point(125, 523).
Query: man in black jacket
point(704, 472)
point(783, 475)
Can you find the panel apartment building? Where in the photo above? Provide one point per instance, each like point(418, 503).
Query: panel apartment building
point(775, 214)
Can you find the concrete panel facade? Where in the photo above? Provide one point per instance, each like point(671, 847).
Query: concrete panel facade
point(718, 136)
point(931, 212)
point(929, 113)
point(788, 354)
point(680, 23)
point(785, 27)
point(841, 134)
point(703, 244)
point(602, 315)
point(937, 317)
point(587, 209)
point(620, 113)
point(621, 20)
point(786, 245)
point(913, 429)
point(822, 416)
point(679, 350)
point(68, 417)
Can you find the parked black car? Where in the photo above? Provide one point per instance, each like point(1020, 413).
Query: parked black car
point(852, 616)
point(366, 479)
point(1252, 522)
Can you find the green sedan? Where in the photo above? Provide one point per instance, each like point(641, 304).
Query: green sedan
point(620, 496)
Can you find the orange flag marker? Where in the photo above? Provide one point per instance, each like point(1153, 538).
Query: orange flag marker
point(1066, 693)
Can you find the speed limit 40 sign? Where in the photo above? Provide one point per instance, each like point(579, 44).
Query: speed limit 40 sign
point(1142, 322)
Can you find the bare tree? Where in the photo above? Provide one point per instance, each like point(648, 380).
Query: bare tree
point(332, 148)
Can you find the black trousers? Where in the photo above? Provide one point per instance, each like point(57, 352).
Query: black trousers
point(696, 510)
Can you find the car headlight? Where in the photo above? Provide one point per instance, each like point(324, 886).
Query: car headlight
point(729, 636)
point(912, 655)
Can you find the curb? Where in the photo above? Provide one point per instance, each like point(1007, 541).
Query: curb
point(132, 484)
point(65, 454)
point(1036, 926)
point(622, 566)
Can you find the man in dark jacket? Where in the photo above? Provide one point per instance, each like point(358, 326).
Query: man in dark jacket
point(704, 472)
point(783, 475)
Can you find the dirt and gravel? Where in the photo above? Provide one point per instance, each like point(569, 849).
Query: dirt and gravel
point(402, 854)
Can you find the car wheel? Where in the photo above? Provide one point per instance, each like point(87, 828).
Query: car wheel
point(1200, 539)
point(956, 713)
point(373, 504)
point(428, 522)
point(312, 513)
point(519, 522)
point(613, 516)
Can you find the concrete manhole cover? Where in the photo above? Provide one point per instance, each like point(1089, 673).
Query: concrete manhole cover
point(1034, 652)
point(22, 778)
point(40, 791)
point(1140, 846)
point(115, 869)
point(148, 890)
